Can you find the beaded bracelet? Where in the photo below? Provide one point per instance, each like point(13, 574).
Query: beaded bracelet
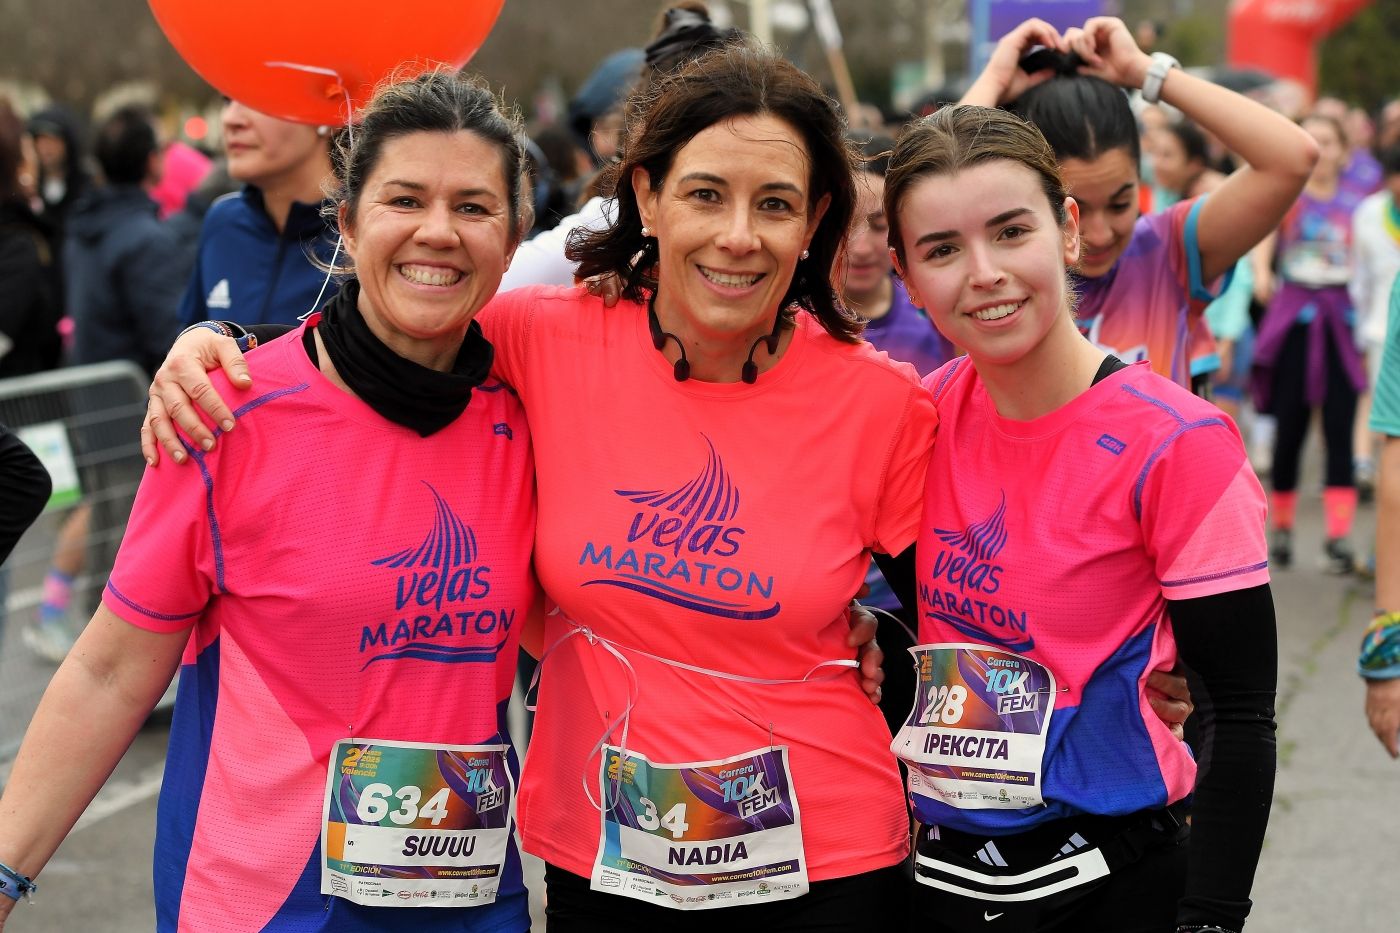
point(245, 340)
point(218, 327)
point(14, 885)
point(1380, 648)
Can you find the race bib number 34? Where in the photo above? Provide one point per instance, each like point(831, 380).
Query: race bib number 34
point(703, 835)
point(975, 738)
point(408, 824)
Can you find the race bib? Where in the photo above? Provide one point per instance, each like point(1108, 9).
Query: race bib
point(699, 836)
point(413, 825)
point(975, 738)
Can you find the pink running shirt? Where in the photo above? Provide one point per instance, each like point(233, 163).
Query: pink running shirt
point(1060, 539)
point(343, 577)
point(722, 525)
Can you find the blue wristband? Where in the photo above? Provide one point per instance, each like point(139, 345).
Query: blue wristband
point(14, 885)
point(1380, 648)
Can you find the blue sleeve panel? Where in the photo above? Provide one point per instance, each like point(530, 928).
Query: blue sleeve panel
point(1198, 289)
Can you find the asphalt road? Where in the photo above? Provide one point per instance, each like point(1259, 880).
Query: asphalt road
point(1329, 857)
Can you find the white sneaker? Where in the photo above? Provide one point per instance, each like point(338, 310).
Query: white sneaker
point(49, 642)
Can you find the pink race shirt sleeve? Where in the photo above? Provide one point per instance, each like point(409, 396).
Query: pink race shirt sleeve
point(508, 321)
point(901, 494)
point(1202, 513)
point(170, 562)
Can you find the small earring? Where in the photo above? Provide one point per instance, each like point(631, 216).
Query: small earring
point(646, 233)
point(805, 254)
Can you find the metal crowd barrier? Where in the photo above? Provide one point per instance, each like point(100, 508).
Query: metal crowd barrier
point(84, 423)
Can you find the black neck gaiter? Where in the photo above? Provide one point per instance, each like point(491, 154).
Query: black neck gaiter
point(402, 391)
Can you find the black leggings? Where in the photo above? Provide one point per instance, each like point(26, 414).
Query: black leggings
point(873, 901)
point(1290, 407)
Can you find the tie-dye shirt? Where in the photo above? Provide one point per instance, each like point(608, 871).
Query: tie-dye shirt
point(1149, 305)
point(1314, 240)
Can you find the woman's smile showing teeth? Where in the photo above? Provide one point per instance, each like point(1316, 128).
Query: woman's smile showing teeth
point(730, 279)
point(996, 312)
point(441, 276)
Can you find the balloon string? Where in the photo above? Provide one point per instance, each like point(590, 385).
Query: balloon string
point(350, 134)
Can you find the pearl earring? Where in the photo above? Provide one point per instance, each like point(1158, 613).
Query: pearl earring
point(646, 232)
point(805, 254)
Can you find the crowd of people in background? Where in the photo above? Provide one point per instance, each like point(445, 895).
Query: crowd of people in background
point(1246, 259)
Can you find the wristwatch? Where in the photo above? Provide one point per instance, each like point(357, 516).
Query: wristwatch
point(1156, 74)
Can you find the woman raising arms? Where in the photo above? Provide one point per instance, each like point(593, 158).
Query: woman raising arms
point(1144, 281)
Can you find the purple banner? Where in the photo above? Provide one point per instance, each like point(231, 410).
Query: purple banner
point(992, 19)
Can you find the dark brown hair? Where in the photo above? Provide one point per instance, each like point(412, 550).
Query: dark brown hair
point(1083, 117)
point(958, 138)
point(740, 79)
point(1192, 140)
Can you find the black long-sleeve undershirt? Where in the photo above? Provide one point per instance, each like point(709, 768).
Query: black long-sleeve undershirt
point(1230, 646)
point(24, 488)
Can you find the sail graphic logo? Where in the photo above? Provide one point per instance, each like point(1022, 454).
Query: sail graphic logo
point(439, 590)
point(681, 546)
point(964, 578)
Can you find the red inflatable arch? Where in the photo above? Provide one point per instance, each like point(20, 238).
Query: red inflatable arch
point(1281, 36)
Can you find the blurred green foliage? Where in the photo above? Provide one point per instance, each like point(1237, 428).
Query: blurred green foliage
point(1360, 62)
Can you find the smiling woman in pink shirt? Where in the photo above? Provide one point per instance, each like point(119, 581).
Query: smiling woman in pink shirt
point(342, 584)
point(1085, 523)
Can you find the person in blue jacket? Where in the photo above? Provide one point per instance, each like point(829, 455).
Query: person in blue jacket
point(259, 248)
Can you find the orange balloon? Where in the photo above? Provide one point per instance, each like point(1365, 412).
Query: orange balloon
point(300, 59)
